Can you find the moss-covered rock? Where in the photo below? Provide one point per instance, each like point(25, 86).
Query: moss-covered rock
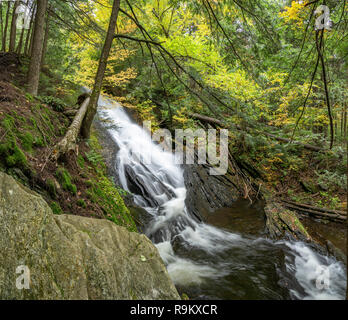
point(282, 222)
point(72, 257)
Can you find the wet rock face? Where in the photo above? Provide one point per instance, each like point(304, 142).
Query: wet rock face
point(207, 193)
point(72, 257)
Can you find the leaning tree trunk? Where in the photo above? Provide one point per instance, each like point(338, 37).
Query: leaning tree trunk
point(36, 53)
point(4, 36)
point(68, 142)
point(13, 31)
point(92, 108)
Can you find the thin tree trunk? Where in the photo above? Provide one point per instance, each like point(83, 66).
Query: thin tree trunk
point(31, 41)
point(68, 142)
point(2, 22)
point(32, 33)
point(36, 54)
point(20, 43)
point(44, 49)
point(29, 32)
point(345, 123)
point(92, 108)
point(4, 37)
point(13, 31)
point(21, 39)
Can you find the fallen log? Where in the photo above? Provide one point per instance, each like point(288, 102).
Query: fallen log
point(70, 113)
point(324, 210)
point(68, 142)
point(318, 214)
point(223, 124)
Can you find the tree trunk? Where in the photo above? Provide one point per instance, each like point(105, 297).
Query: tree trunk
point(20, 43)
point(4, 36)
point(21, 39)
point(13, 31)
point(29, 32)
point(345, 123)
point(68, 142)
point(44, 48)
point(30, 50)
point(36, 54)
point(92, 108)
point(2, 22)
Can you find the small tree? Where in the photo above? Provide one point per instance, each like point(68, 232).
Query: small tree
point(92, 108)
point(36, 53)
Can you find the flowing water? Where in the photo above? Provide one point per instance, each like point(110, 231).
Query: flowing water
point(204, 261)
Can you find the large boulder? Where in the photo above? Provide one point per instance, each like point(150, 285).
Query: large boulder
point(72, 257)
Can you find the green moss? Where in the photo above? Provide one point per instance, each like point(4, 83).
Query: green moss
point(27, 141)
point(29, 97)
point(81, 161)
point(51, 187)
point(56, 209)
point(184, 296)
point(8, 123)
point(39, 142)
point(103, 191)
point(18, 158)
point(81, 203)
point(6, 148)
point(65, 179)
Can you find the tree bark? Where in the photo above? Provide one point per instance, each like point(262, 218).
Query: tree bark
point(4, 36)
point(29, 33)
point(13, 31)
point(31, 41)
point(68, 142)
point(44, 48)
point(36, 54)
point(92, 108)
point(2, 22)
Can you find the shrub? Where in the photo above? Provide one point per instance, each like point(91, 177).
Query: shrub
point(56, 103)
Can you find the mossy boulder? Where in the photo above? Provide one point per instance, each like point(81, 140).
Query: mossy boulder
point(72, 257)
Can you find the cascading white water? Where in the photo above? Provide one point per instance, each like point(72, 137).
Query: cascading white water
point(212, 257)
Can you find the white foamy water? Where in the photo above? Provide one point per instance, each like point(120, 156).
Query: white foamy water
point(210, 253)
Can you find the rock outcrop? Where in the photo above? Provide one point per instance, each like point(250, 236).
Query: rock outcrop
point(207, 193)
point(282, 222)
point(72, 257)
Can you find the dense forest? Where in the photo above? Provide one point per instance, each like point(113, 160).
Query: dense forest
point(272, 72)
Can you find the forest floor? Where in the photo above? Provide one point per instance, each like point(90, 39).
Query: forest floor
point(30, 127)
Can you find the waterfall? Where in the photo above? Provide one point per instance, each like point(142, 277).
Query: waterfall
point(203, 260)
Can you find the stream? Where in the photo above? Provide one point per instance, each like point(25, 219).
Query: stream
point(206, 261)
